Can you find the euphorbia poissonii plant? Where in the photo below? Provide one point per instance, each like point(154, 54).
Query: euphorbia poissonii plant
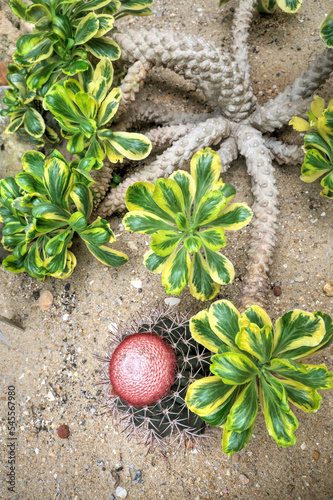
point(252, 359)
point(187, 216)
point(42, 208)
point(84, 108)
point(318, 144)
point(269, 6)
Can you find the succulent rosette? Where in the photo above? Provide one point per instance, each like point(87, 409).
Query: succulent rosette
point(83, 109)
point(41, 210)
point(318, 144)
point(251, 360)
point(187, 216)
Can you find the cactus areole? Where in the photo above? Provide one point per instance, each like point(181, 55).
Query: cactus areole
point(142, 369)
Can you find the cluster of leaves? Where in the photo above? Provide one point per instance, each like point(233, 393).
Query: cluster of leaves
point(84, 107)
point(65, 31)
point(42, 208)
point(318, 144)
point(25, 108)
point(326, 30)
point(188, 214)
point(269, 6)
point(251, 356)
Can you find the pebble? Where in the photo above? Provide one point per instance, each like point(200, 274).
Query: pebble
point(137, 476)
point(50, 396)
point(299, 278)
point(315, 454)
point(132, 246)
point(172, 301)
point(63, 431)
point(243, 479)
point(121, 492)
point(136, 283)
point(45, 300)
point(328, 289)
point(277, 290)
point(65, 317)
point(303, 446)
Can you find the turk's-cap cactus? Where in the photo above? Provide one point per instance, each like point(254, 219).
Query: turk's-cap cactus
point(252, 359)
point(149, 365)
point(318, 144)
point(187, 216)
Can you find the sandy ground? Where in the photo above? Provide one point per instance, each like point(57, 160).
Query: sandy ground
point(51, 363)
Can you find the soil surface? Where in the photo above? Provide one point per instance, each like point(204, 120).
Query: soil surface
point(51, 363)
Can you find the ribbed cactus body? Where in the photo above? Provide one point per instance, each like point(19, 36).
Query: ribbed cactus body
point(169, 417)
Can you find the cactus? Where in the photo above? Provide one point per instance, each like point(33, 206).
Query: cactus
point(167, 419)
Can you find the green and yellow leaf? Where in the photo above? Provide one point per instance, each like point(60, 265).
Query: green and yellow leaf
point(205, 170)
point(233, 368)
point(187, 185)
point(297, 328)
point(130, 145)
point(244, 411)
point(168, 196)
point(175, 275)
point(146, 223)
point(213, 238)
point(202, 332)
point(233, 441)
point(165, 242)
point(305, 398)
point(206, 395)
point(220, 268)
point(223, 319)
point(86, 29)
point(139, 197)
point(234, 217)
point(209, 207)
point(314, 376)
point(257, 341)
point(155, 263)
point(107, 256)
point(326, 29)
point(202, 286)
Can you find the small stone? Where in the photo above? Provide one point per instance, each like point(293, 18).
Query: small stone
point(315, 455)
point(137, 476)
point(328, 289)
point(277, 290)
point(121, 492)
point(243, 479)
point(172, 301)
point(303, 446)
point(67, 286)
point(63, 432)
point(136, 283)
point(299, 279)
point(132, 246)
point(65, 317)
point(50, 396)
point(45, 300)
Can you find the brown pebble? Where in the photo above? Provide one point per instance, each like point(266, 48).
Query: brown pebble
point(328, 289)
point(63, 431)
point(277, 290)
point(3, 73)
point(45, 300)
point(243, 479)
point(315, 455)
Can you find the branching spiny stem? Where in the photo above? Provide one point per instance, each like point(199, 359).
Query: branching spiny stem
point(240, 31)
point(262, 242)
point(131, 84)
point(284, 154)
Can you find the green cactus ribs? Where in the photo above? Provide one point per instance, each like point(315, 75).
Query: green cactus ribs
point(167, 420)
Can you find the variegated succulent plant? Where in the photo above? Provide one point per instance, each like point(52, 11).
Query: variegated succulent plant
point(42, 208)
point(25, 109)
point(187, 216)
point(269, 6)
point(66, 31)
point(326, 30)
point(318, 144)
point(252, 358)
point(84, 108)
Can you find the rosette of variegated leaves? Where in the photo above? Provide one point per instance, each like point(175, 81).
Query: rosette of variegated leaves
point(24, 106)
point(41, 210)
point(318, 144)
point(66, 32)
point(187, 216)
point(251, 360)
point(269, 6)
point(84, 107)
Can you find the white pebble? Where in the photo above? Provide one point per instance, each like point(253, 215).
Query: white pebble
point(303, 446)
point(50, 396)
point(136, 283)
point(121, 492)
point(36, 451)
point(323, 214)
point(65, 317)
point(172, 301)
